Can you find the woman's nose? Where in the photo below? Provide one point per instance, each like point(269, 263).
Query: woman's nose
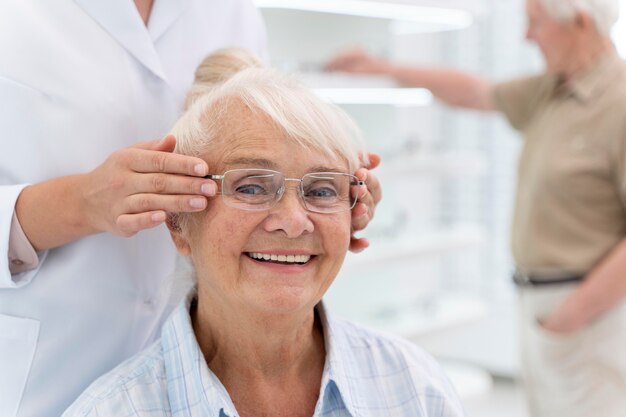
point(289, 214)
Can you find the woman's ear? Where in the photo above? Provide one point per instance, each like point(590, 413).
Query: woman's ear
point(173, 224)
point(584, 21)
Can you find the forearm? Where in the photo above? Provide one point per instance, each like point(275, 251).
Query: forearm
point(454, 88)
point(52, 213)
point(603, 288)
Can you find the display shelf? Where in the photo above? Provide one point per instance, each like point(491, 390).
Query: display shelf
point(469, 381)
point(341, 88)
point(436, 314)
point(448, 163)
point(435, 243)
point(377, 96)
point(424, 17)
point(316, 77)
point(324, 27)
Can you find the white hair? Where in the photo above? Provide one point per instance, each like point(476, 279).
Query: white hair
point(304, 117)
point(603, 12)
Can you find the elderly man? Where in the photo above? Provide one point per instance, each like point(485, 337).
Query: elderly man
point(254, 339)
point(569, 223)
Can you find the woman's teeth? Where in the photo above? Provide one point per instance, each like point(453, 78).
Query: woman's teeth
point(290, 259)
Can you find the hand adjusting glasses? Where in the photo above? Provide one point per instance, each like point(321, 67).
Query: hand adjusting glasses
point(262, 189)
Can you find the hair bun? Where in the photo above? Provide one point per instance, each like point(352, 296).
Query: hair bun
point(217, 68)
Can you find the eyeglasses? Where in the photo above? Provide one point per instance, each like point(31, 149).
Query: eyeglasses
point(262, 189)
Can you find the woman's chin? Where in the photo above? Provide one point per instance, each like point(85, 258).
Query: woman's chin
point(286, 301)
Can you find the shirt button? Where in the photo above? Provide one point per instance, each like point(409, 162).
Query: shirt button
point(17, 262)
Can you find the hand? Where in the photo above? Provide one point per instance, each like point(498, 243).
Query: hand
point(135, 187)
point(363, 211)
point(356, 60)
point(561, 323)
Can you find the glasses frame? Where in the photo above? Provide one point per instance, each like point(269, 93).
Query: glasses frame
point(281, 191)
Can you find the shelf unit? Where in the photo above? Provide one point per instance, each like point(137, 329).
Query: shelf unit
point(400, 124)
point(430, 244)
point(426, 16)
point(422, 319)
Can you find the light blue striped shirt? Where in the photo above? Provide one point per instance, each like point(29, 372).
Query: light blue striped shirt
point(366, 374)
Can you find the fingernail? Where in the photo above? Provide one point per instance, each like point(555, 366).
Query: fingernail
point(199, 169)
point(158, 217)
point(208, 189)
point(197, 202)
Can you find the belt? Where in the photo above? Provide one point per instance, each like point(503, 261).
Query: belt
point(521, 278)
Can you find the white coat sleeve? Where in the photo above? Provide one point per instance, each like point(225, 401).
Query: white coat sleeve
point(8, 197)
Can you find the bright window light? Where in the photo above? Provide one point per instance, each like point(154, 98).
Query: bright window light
point(443, 17)
point(619, 30)
point(391, 96)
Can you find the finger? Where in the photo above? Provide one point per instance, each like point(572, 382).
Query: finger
point(358, 191)
point(358, 244)
point(359, 210)
point(361, 217)
point(374, 188)
point(173, 184)
point(130, 224)
point(142, 203)
point(344, 59)
point(374, 160)
point(167, 144)
point(365, 194)
point(367, 200)
point(147, 161)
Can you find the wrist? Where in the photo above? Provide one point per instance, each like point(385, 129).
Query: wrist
point(85, 214)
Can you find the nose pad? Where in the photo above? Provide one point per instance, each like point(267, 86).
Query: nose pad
point(297, 188)
point(280, 193)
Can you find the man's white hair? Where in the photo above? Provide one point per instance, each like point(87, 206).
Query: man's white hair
point(603, 12)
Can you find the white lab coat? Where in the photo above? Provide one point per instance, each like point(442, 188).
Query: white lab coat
point(78, 80)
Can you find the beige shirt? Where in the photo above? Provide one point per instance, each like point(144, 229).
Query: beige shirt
point(570, 209)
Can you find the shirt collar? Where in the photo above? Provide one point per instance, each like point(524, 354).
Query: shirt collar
point(342, 367)
point(597, 78)
point(121, 20)
point(192, 387)
point(191, 382)
point(335, 384)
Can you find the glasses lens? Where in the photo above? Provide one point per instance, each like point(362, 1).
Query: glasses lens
point(329, 192)
point(251, 189)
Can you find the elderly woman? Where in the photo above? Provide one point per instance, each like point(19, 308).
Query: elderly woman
point(253, 337)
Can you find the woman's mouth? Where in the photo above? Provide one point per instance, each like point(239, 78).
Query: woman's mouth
point(280, 259)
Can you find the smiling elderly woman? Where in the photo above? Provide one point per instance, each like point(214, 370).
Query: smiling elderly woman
point(253, 338)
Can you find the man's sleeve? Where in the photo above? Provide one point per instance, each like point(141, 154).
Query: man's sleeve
point(618, 154)
point(520, 99)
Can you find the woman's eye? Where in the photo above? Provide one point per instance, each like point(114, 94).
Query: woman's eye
point(251, 189)
point(321, 192)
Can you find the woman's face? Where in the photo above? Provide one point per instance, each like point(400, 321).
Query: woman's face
point(223, 238)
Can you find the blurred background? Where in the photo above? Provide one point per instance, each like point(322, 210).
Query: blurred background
point(439, 269)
